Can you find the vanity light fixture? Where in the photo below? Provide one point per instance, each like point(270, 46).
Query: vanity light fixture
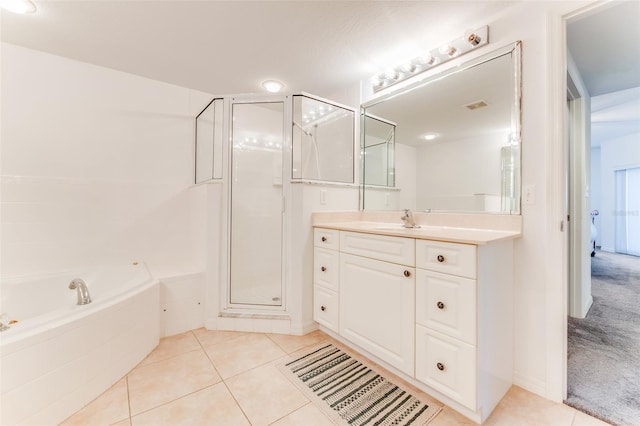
point(427, 60)
point(18, 6)
point(272, 86)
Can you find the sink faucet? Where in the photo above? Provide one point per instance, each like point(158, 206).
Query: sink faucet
point(83, 292)
point(407, 218)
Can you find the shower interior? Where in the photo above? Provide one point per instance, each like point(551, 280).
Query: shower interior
point(274, 142)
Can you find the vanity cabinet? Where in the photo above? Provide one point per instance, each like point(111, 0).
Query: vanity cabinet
point(439, 312)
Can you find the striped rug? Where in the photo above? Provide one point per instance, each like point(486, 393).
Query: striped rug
point(352, 393)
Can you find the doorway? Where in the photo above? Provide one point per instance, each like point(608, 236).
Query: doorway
point(601, 348)
point(627, 211)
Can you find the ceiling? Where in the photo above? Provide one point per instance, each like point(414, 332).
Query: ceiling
point(224, 47)
point(605, 45)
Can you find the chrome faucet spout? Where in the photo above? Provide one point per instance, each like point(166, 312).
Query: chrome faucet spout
point(407, 218)
point(83, 292)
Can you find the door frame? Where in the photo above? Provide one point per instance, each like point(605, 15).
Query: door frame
point(225, 302)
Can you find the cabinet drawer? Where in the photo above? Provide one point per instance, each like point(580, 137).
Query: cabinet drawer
point(447, 365)
point(450, 258)
point(326, 268)
point(446, 303)
point(327, 238)
point(381, 247)
point(325, 308)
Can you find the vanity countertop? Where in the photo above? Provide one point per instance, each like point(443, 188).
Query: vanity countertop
point(425, 232)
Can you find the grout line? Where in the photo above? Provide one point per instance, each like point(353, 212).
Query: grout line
point(291, 412)
point(222, 380)
point(126, 377)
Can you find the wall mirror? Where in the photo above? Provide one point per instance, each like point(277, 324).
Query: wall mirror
point(450, 142)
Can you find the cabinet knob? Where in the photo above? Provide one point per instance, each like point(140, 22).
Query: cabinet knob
point(440, 366)
point(440, 305)
point(407, 274)
point(323, 269)
point(323, 308)
point(440, 258)
point(324, 239)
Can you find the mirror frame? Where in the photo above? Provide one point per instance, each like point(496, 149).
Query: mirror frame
point(418, 81)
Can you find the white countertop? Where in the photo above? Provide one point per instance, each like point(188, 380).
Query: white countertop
point(425, 232)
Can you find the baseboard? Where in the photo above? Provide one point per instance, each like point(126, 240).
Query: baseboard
point(531, 384)
point(302, 329)
point(587, 306)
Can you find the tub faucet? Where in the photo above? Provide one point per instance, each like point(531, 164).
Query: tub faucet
point(407, 218)
point(83, 292)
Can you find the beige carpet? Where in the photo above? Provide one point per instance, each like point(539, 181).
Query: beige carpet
point(604, 348)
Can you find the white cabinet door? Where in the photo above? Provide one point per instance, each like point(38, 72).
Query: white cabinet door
point(377, 308)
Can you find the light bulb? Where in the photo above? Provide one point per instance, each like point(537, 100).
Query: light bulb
point(391, 74)
point(427, 59)
point(408, 67)
point(18, 6)
point(448, 50)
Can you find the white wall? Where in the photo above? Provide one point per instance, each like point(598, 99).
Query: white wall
point(97, 167)
point(616, 154)
point(596, 190)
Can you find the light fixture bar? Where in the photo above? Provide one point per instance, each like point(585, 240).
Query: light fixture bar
point(428, 60)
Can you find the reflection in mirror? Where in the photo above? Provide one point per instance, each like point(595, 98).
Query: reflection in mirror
point(323, 141)
point(378, 148)
point(209, 142)
point(457, 141)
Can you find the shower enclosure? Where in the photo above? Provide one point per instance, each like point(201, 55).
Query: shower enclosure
point(273, 141)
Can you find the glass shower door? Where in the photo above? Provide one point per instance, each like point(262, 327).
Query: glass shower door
point(256, 275)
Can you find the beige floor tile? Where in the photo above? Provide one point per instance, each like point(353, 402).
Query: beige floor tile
point(291, 344)
point(309, 415)
point(265, 395)
point(110, 407)
point(211, 406)
point(213, 337)
point(243, 353)
point(449, 417)
point(126, 422)
point(583, 419)
point(525, 408)
point(163, 381)
point(172, 346)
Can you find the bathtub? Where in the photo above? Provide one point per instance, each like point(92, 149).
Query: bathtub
point(59, 355)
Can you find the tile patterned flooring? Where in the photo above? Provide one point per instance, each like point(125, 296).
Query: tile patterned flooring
point(206, 377)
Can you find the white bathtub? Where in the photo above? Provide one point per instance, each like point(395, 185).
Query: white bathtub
point(60, 355)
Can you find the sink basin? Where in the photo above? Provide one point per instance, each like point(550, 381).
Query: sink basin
point(392, 227)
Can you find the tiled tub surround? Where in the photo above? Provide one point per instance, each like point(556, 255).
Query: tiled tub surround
point(61, 356)
point(433, 304)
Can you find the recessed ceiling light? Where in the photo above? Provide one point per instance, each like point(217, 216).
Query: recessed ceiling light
point(18, 6)
point(430, 136)
point(272, 86)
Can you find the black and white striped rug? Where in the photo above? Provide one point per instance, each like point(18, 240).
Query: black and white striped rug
point(354, 393)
